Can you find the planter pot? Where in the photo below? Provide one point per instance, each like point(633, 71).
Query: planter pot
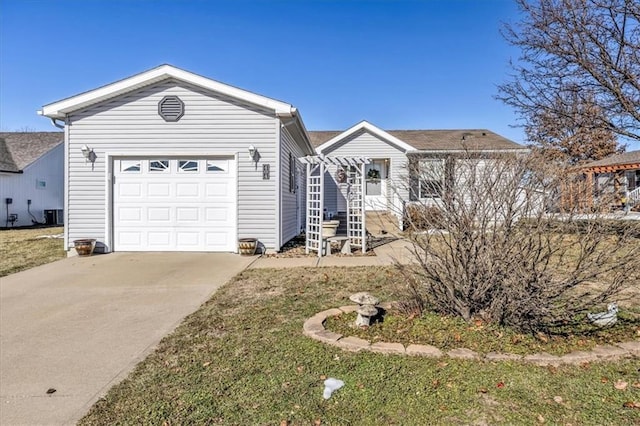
point(247, 246)
point(329, 228)
point(85, 246)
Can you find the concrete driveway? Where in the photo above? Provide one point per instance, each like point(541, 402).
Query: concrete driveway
point(80, 325)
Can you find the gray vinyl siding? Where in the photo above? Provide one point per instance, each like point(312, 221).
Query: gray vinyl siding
point(364, 144)
point(288, 213)
point(212, 124)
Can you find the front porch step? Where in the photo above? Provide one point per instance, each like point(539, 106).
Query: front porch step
point(381, 223)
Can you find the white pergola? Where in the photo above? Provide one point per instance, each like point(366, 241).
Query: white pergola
point(354, 168)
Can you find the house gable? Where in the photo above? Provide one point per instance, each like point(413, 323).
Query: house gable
point(360, 128)
point(60, 109)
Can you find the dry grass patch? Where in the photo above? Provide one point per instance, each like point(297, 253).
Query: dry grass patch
point(21, 249)
point(244, 360)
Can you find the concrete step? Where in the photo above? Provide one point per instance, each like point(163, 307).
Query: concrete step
point(380, 223)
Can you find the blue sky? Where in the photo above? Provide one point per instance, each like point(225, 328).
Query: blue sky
point(431, 64)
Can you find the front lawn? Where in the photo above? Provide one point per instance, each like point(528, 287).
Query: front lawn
point(22, 249)
point(242, 359)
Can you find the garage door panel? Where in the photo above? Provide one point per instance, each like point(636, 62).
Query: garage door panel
point(188, 239)
point(129, 214)
point(131, 239)
point(128, 190)
point(158, 214)
point(218, 214)
point(188, 190)
point(158, 190)
point(175, 209)
point(188, 214)
point(217, 239)
point(159, 239)
point(218, 190)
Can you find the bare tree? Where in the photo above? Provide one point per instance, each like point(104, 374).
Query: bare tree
point(575, 136)
point(494, 252)
point(589, 48)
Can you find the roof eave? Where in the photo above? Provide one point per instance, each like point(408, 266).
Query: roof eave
point(61, 108)
point(302, 130)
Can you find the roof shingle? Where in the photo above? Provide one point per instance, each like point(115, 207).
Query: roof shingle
point(437, 140)
point(19, 149)
point(631, 157)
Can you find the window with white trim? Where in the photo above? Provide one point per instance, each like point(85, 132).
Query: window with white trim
point(187, 166)
point(130, 166)
point(158, 166)
point(217, 166)
point(431, 179)
point(292, 173)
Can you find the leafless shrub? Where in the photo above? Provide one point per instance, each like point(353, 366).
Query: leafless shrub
point(498, 254)
point(421, 218)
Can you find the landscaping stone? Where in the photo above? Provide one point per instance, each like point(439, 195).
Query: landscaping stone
point(388, 348)
point(327, 336)
point(314, 328)
point(348, 308)
point(633, 347)
point(543, 359)
point(496, 356)
point(333, 312)
point(578, 357)
point(610, 353)
point(424, 350)
point(313, 325)
point(463, 353)
point(354, 344)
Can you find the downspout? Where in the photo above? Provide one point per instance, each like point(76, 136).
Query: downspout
point(56, 124)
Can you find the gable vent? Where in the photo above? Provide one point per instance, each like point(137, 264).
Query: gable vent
point(171, 108)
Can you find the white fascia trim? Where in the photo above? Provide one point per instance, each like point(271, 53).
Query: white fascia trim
point(365, 125)
point(61, 108)
point(295, 115)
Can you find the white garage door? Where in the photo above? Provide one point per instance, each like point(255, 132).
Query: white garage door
point(175, 204)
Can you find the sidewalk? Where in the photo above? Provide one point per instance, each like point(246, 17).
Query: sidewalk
point(387, 254)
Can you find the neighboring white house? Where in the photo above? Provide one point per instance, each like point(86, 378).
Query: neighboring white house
point(31, 178)
point(393, 178)
point(168, 160)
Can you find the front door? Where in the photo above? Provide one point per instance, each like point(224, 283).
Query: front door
point(376, 176)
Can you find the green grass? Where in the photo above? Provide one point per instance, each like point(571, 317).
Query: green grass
point(241, 359)
point(20, 249)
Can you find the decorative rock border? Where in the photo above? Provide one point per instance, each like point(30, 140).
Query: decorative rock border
point(314, 328)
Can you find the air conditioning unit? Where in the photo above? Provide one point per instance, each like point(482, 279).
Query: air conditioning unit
point(54, 217)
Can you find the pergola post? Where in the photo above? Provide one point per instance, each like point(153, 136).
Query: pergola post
point(356, 230)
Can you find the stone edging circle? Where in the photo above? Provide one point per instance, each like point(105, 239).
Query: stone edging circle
point(314, 328)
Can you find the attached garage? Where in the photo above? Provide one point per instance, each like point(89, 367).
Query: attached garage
point(175, 204)
point(168, 160)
